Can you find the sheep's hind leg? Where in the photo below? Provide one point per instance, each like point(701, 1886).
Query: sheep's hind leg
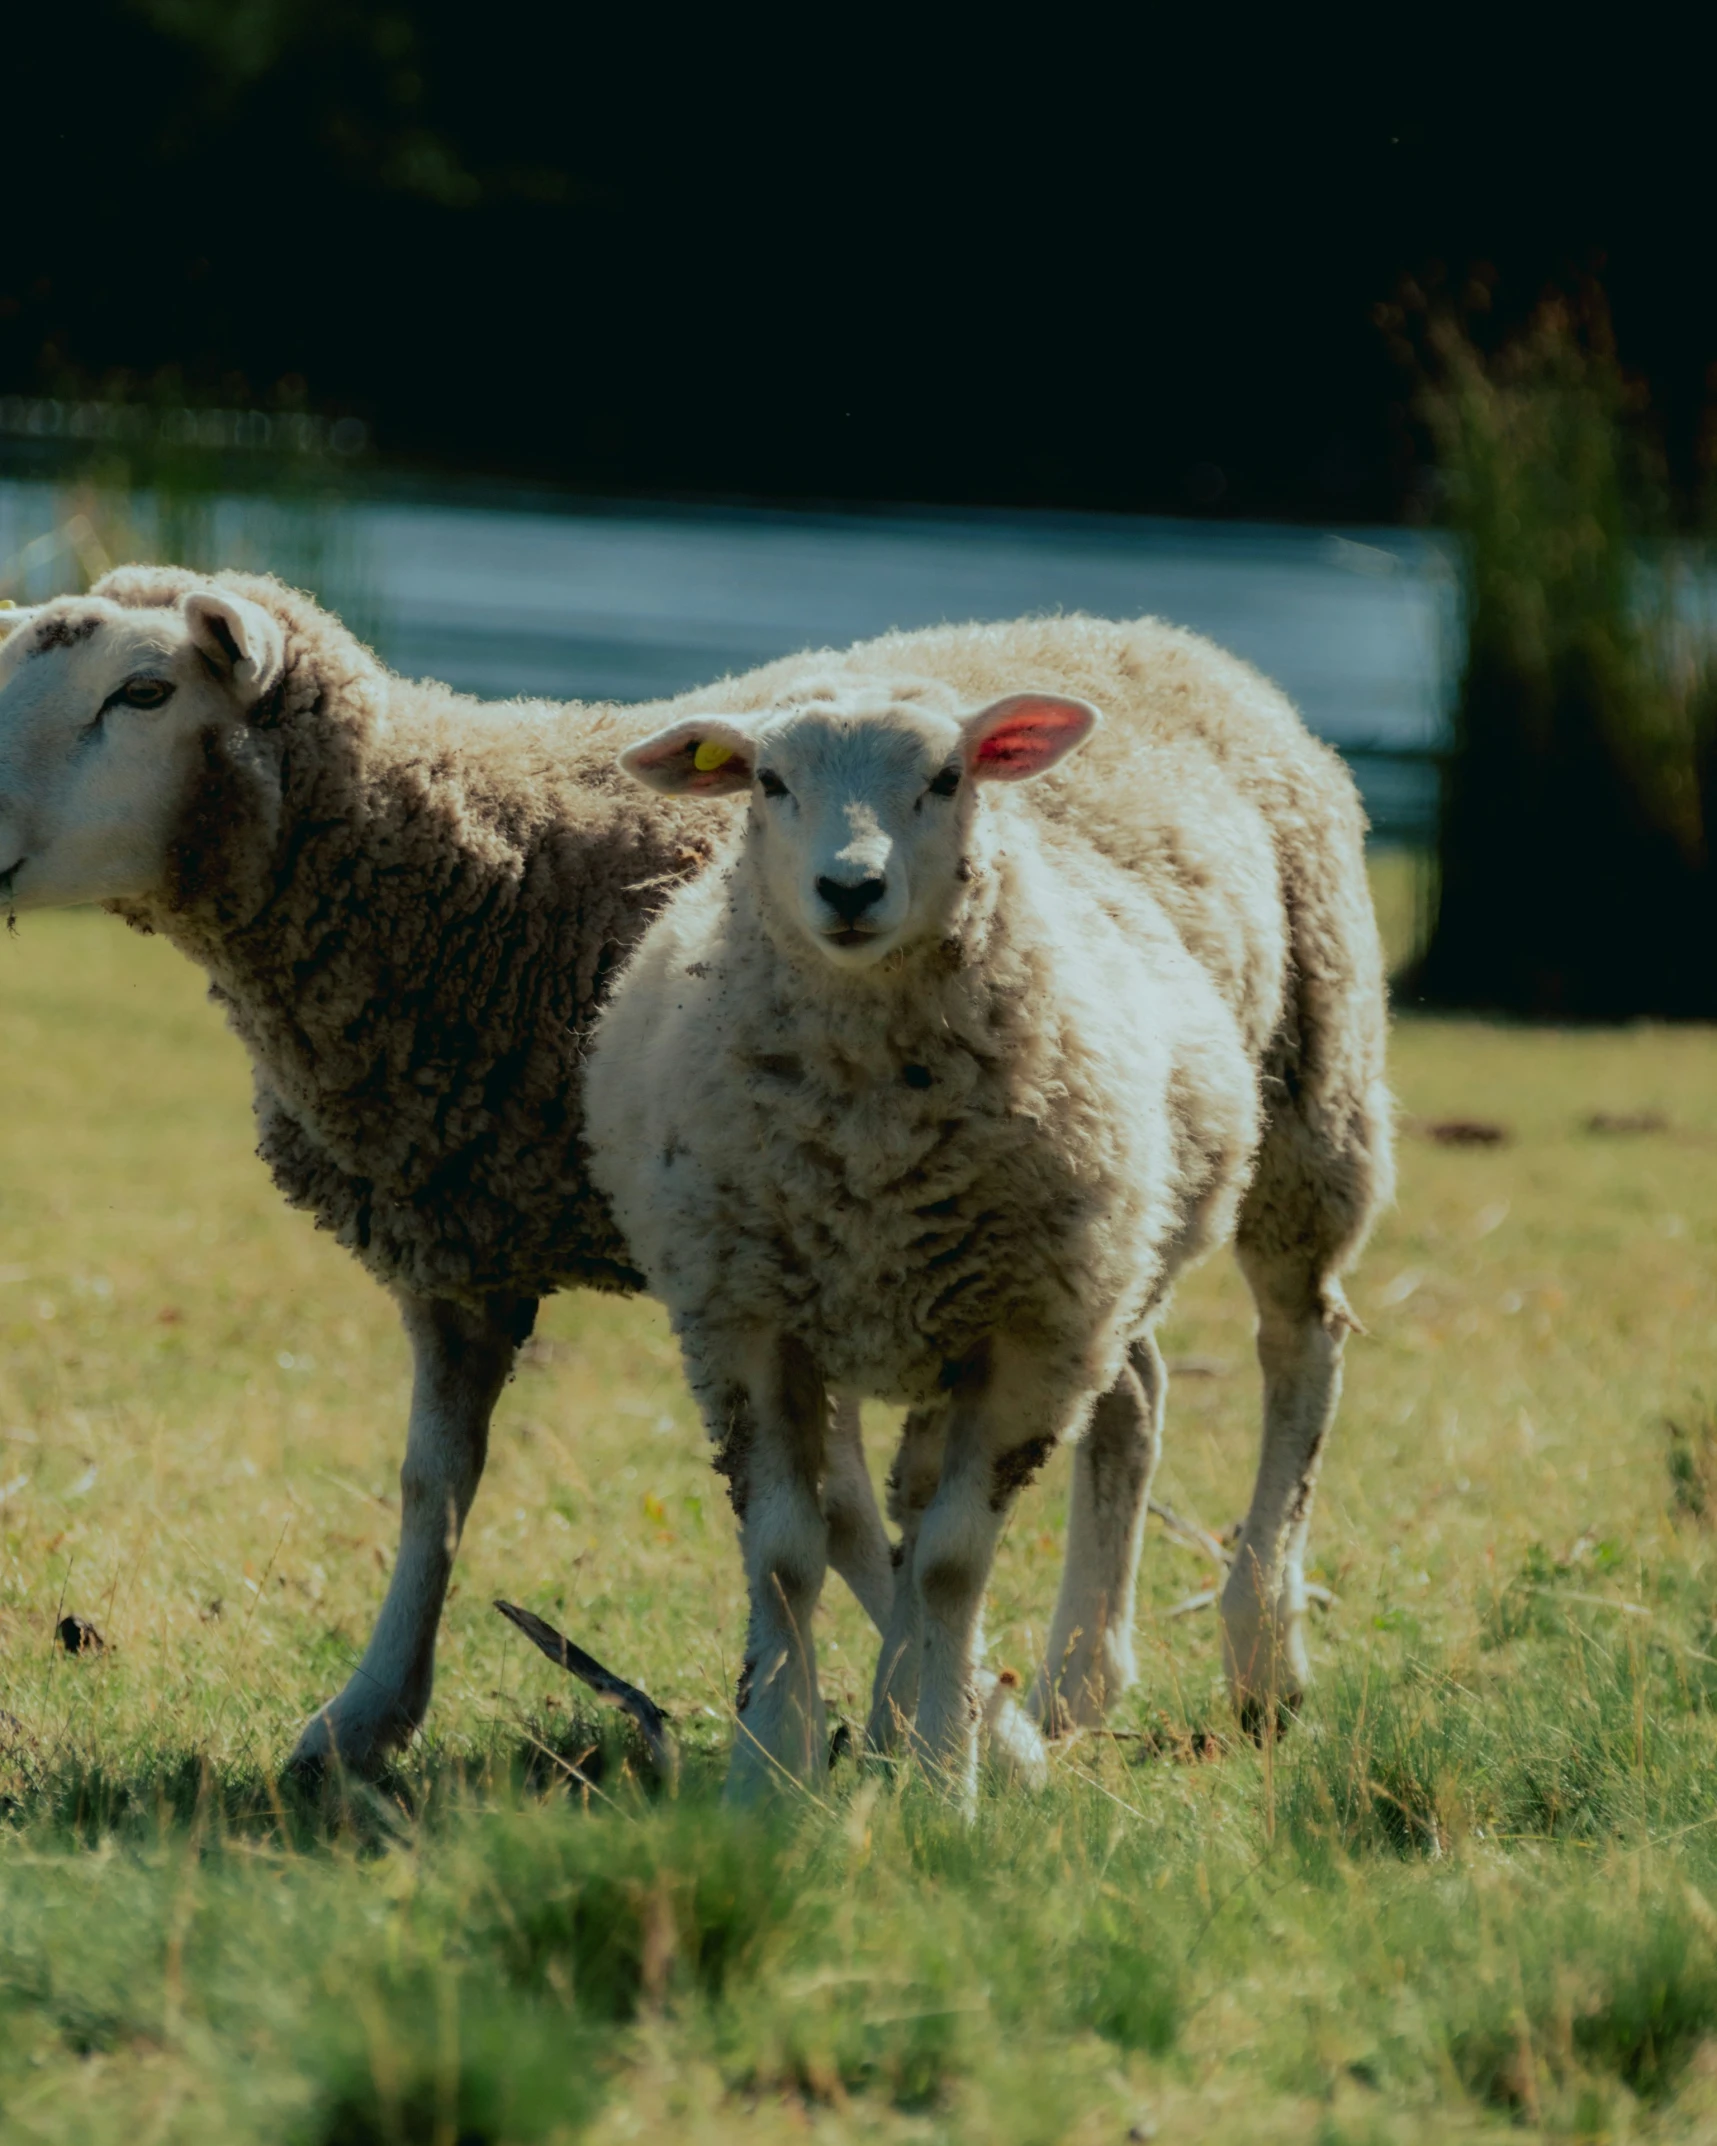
point(858, 1541)
point(1302, 1324)
point(461, 1360)
point(1090, 1659)
point(773, 1454)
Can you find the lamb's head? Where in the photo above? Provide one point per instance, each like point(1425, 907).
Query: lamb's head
point(102, 706)
point(862, 806)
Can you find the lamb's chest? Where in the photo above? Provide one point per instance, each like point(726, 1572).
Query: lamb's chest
point(897, 1230)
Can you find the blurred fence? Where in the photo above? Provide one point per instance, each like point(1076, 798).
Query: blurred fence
point(143, 426)
point(524, 596)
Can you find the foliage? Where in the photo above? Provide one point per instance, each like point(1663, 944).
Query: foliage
point(150, 494)
point(1575, 861)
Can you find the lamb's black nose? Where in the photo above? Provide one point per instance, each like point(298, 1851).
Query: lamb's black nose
point(850, 902)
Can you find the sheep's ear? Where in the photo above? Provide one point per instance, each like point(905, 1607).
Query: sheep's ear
point(700, 756)
point(1024, 735)
point(237, 639)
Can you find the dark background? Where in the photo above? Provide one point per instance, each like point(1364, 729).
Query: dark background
point(846, 255)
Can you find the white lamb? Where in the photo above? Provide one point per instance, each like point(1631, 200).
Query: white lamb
point(931, 1084)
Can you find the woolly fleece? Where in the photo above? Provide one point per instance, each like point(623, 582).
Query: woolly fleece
point(408, 903)
point(1171, 922)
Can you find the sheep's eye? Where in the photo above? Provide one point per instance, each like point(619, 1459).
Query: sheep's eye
point(770, 783)
point(145, 692)
point(945, 784)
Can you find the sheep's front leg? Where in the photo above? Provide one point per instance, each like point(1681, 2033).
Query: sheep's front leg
point(912, 1484)
point(775, 1438)
point(461, 1360)
point(1004, 1422)
point(1014, 1741)
point(1090, 1659)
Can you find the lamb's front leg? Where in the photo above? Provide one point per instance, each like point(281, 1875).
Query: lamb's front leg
point(912, 1484)
point(461, 1360)
point(774, 1436)
point(1006, 1419)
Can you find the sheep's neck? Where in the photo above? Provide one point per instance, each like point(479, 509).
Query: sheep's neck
point(354, 906)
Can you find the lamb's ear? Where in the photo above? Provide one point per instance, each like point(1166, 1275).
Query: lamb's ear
point(1024, 735)
point(237, 639)
point(700, 756)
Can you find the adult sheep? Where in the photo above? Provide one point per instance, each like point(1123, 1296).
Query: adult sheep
point(408, 904)
point(932, 1083)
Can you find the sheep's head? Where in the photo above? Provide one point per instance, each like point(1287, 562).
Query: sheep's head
point(101, 710)
point(862, 810)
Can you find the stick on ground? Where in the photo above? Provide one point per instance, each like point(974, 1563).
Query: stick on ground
point(652, 1722)
point(1192, 1534)
point(1207, 1598)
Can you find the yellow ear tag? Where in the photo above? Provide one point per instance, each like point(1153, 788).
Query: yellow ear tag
point(710, 755)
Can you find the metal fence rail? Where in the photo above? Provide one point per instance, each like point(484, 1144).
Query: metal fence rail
point(623, 602)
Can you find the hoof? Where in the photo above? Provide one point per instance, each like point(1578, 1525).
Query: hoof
point(326, 1749)
point(307, 1771)
point(1259, 1715)
point(888, 1732)
point(1059, 1714)
point(314, 1757)
point(1264, 1661)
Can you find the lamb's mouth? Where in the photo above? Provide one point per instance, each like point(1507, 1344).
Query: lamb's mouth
point(850, 935)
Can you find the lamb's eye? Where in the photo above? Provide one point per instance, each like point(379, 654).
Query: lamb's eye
point(770, 783)
point(145, 692)
point(945, 784)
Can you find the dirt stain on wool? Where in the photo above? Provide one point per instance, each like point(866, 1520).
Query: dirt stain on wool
point(734, 1452)
point(1015, 1468)
point(63, 633)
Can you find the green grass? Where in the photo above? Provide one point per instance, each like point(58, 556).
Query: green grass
point(1475, 1889)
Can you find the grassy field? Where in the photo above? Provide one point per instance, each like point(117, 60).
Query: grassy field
point(1475, 1889)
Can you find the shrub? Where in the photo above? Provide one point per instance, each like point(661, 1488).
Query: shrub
point(1574, 866)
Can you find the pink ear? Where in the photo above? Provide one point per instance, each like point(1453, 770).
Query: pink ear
point(1025, 735)
point(700, 756)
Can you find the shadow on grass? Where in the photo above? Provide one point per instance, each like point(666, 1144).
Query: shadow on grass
point(77, 1799)
point(510, 2079)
